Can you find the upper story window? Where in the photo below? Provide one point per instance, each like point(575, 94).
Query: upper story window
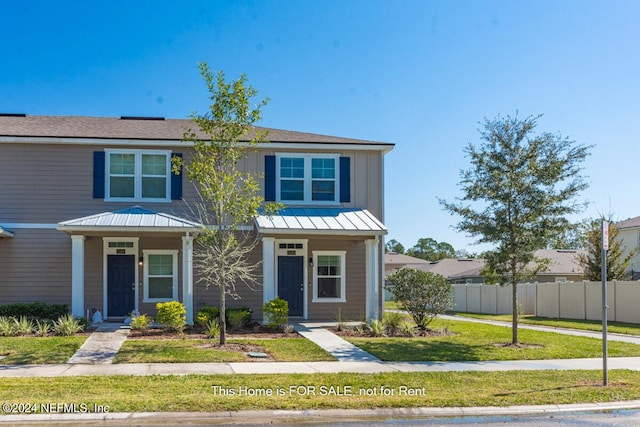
point(138, 175)
point(308, 178)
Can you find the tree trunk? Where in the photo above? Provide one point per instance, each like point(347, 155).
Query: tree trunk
point(514, 322)
point(223, 316)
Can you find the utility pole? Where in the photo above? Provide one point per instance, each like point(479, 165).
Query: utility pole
point(605, 247)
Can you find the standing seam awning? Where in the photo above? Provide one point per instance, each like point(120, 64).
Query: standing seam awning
point(336, 221)
point(5, 233)
point(134, 218)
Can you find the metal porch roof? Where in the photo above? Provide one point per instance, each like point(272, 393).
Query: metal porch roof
point(130, 219)
point(336, 221)
point(5, 233)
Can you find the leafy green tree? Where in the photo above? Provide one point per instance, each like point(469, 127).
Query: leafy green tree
point(423, 294)
point(522, 186)
point(229, 197)
point(463, 253)
point(394, 246)
point(431, 250)
point(570, 238)
point(617, 260)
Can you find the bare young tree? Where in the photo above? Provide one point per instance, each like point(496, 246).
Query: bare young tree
point(230, 198)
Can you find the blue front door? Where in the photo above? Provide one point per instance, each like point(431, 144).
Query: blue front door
point(120, 285)
point(290, 282)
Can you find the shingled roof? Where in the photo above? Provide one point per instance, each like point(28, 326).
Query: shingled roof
point(139, 128)
point(629, 223)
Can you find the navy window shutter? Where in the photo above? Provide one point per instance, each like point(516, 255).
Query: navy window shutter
point(98, 174)
point(345, 179)
point(270, 178)
point(176, 182)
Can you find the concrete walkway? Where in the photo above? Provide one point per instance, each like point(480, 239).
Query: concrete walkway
point(633, 339)
point(102, 345)
point(341, 349)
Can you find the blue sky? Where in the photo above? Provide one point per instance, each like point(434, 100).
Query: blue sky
point(421, 74)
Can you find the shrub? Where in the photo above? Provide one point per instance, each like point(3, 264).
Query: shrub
point(67, 325)
point(423, 294)
point(406, 329)
point(376, 328)
point(7, 326)
point(206, 314)
point(276, 313)
point(235, 320)
point(141, 323)
point(236, 317)
point(172, 315)
point(34, 311)
point(42, 327)
point(341, 323)
point(239, 317)
point(212, 328)
point(22, 326)
point(392, 322)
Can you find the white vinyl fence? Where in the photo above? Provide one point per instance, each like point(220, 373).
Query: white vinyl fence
point(568, 300)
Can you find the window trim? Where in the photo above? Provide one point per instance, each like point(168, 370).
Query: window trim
point(307, 179)
point(137, 177)
point(174, 255)
point(343, 276)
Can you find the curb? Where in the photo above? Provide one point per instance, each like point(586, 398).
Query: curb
point(317, 415)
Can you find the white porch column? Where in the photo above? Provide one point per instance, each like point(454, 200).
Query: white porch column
point(372, 283)
point(187, 276)
point(268, 269)
point(77, 276)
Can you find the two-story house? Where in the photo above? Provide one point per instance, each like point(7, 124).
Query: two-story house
point(629, 236)
point(92, 216)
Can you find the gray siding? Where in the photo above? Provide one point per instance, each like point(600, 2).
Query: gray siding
point(47, 184)
point(54, 183)
point(354, 307)
point(35, 266)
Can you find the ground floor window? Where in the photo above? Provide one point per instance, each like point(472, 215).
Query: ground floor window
point(329, 276)
point(160, 275)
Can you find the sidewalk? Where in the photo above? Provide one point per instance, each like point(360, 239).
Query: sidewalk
point(366, 367)
point(95, 356)
point(633, 339)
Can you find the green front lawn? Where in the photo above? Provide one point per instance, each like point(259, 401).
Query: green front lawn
point(481, 342)
point(434, 389)
point(587, 325)
point(38, 350)
point(201, 350)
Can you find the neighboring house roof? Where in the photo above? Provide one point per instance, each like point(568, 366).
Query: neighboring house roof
point(131, 218)
point(395, 258)
point(5, 233)
point(141, 128)
point(562, 262)
point(321, 220)
point(629, 223)
point(454, 267)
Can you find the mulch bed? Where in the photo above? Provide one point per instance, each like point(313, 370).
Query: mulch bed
point(256, 332)
point(361, 333)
